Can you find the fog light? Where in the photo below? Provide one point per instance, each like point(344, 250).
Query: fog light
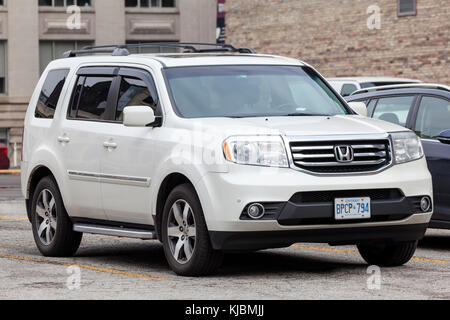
point(425, 204)
point(255, 211)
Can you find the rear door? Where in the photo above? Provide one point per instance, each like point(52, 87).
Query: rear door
point(129, 152)
point(433, 117)
point(81, 137)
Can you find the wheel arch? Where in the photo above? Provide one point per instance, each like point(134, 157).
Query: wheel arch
point(35, 176)
point(171, 181)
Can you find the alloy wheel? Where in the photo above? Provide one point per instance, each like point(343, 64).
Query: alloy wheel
point(46, 216)
point(181, 231)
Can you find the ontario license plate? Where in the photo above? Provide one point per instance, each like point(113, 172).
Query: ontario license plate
point(351, 208)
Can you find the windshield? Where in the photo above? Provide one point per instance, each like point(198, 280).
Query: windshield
point(250, 91)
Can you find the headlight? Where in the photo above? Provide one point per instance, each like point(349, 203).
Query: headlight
point(256, 150)
point(407, 147)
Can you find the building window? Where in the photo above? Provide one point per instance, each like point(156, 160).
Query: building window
point(161, 49)
point(51, 50)
point(2, 67)
point(407, 7)
point(64, 3)
point(150, 3)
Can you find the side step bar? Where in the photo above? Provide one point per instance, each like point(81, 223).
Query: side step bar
point(114, 231)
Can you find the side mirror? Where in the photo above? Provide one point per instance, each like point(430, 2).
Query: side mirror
point(359, 107)
point(444, 137)
point(138, 116)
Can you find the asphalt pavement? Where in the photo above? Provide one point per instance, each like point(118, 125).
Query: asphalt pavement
point(118, 268)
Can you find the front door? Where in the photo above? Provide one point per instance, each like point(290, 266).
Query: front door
point(128, 153)
point(433, 117)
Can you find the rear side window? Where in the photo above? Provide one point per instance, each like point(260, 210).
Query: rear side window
point(50, 93)
point(133, 92)
point(90, 97)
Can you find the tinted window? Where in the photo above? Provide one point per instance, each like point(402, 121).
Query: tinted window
point(433, 117)
point(93, 98)
point(394, 109)
point(51, 91)
point(250, 91)
point(347, 89)
point(133, 92)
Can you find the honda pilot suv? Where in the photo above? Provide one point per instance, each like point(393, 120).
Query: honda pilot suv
point(215, 149)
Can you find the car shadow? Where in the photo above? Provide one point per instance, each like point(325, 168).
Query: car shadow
point(149, 257)
point(282, 261)
point(436, 242)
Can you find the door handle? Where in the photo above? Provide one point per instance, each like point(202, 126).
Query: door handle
point(110, 145)
point(64, 139)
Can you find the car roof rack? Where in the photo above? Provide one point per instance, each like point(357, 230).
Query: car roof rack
point(403, 86)
point(189, 47)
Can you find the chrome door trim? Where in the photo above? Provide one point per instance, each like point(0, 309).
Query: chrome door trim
point(107, 178)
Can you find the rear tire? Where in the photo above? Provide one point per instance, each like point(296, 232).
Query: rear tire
point(388, 255)
point(52, 228)
point(185, 236)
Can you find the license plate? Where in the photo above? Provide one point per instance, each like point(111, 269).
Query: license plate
point(351, 208)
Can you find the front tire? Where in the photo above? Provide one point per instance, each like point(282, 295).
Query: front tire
point(186, 242)
point(388, 255)
point(52, 228)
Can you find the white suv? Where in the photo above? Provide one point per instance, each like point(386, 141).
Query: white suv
point(215, 150)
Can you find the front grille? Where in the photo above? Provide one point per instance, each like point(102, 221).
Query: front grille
point(322, 157)
point(329, 196)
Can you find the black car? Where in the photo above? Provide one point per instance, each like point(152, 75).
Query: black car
point(424, 108)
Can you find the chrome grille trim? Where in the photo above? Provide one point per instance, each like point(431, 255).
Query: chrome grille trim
point(316, 155)
point(368, 146)
point(312, 148)
point(340, 164)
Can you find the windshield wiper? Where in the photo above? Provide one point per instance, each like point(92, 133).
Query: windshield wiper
point(304, 114)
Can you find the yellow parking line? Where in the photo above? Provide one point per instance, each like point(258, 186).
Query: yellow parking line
point(83, 266)
point(16, 244)
point(13, 218)
point(356, 252)
point(14, 171)
point(429, 260)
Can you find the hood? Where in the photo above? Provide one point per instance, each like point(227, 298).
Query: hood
point(298, 126)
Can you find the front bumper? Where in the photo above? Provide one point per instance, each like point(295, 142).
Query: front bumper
point(225, 195)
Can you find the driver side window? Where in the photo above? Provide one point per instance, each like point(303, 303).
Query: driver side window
point(133, 92)
point(394, 109)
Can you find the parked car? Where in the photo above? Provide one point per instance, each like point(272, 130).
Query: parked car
point(348, 85)
point(213, 150)
point(425, 109)
point(4, 160)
